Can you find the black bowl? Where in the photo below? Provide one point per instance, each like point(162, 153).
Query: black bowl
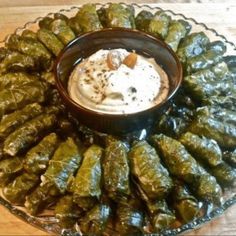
point(144, 44)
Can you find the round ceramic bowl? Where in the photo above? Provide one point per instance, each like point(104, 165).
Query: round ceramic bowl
point(143, 44)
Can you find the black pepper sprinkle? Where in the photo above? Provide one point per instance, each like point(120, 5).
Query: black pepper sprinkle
point(133, 90)
point(103, 70)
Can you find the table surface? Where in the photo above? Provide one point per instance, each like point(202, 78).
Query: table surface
point(219, 15)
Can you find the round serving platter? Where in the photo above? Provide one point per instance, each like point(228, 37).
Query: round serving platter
point(46, 221)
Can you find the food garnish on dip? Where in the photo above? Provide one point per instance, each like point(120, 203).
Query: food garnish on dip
point(118, 82)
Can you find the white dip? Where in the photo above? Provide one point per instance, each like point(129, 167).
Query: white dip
point(123, 90)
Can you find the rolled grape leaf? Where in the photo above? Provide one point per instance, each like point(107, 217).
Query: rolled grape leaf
point(219, 113)
point(161, 216)
point(182, 165)
point(29, 133)
point(88, 18)
point(119, 16)
point(37, 158)
point(65, 161)
point(11, 121)
point(11, 80)
point(73, 23)
point(146, 167)
point(43, 196)
point(207, 189)
point(50, 41)
point(210, 57)
point(87, 188)
point(95, 221)
point(178, 161)
point(16, 61)
point(30, 47)
point(116, 170)
point(223, 133)
point(16, 98)
point(60, 28)
point(203, 149)
point(67, 212)
point(10, 168)
point(143, 19)
point(129, 220)
point(205, 83)
point(178, 29)
point(45, 22)
point(159, 24)
point(224, 174)
point(184, 202)
point(16, 191)
point(192, 45)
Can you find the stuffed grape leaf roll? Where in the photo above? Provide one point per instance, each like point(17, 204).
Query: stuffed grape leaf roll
point(28, 133)
point(16, 98)
point(13, 120)
point(184, 202)
point(178, 29)
point(10, 168)
point(16, 191)
point(65, 161)
point(87, 189)
point(159, 24)
point(192, 45)
point(43, 196)
point(30, 47)
point(161, 216)
point(67, 212)
point(146, 167)
point(129, 219)
point(61, 29)
point(37, 158)
point(182, 165)
point(116, 170)
point(11, 80)
point(45, 22)
point(224, 174)
point(116, 15)
point(206, 59)
point(203, 149)
point(51, 42)
point(88, 18)
point(178, 161)
point(95, 220)
point(207, 189)
point(224, 134)
point(143, 19)
point(16, 61)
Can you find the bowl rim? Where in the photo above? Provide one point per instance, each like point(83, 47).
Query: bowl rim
point(63, 92)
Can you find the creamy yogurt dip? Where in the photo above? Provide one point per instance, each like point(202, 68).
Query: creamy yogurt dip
point(123, 90)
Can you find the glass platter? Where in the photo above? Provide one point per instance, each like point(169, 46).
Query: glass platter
point(46, 221)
